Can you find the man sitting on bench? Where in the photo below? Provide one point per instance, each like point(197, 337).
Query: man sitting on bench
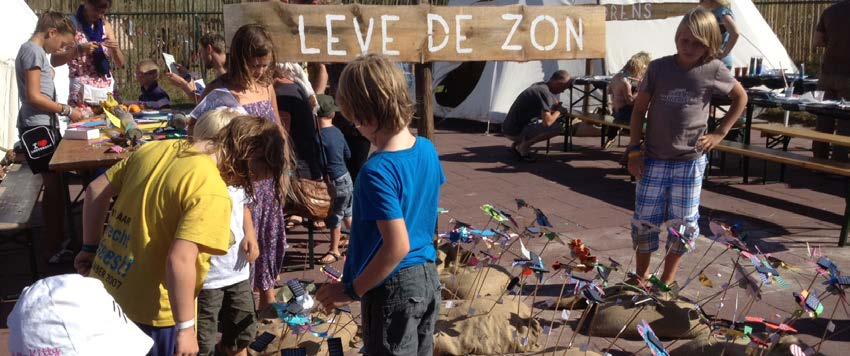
point(533, 116)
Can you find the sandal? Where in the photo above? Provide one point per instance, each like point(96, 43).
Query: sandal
point(329, 258)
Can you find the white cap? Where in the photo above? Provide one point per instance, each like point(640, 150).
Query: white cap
point(72, 315)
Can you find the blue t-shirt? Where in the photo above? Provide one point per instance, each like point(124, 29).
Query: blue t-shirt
point(392, 185)
point(336, 151)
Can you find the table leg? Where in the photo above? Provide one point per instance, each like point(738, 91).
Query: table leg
point(568, 145)
point(311, 244)
point(747, 126)
point(842, 239)
point(785, 143)
point(69, 210)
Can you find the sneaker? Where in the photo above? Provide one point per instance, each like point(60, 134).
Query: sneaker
point(64, 256)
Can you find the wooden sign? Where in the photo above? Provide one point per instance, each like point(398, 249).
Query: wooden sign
point(339, 33)
point(642, 11)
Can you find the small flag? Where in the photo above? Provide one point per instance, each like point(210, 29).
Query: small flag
point(521, 204)
point(542, 220)
point(523, 341)
point(471, 311)
point(565, 314)
point(525, 252)
point(450, 304)
point(830, 326)
point(547, 330)
point(796, 350)
point(583, 348)
point(809, 351)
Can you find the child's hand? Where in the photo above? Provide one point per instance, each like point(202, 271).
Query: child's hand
point(332, 296)
point(77, 116)
point(251, 248)
point(83, 262)
point(707, 142)
point(635, 166)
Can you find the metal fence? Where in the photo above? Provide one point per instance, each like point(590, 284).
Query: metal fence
point(794, 22)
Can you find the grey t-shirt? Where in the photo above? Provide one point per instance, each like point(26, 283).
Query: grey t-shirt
point(678, 109)
point(528, 105)
point(32, 56)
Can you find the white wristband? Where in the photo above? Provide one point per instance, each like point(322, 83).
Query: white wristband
point(186, 324)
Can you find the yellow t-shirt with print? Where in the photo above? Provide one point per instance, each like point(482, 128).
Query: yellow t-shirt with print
point(166, 191)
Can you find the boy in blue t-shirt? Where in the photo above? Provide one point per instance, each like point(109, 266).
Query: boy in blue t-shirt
point(390, 260)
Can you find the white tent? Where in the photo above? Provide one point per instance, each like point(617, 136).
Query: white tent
point(485, 92)
point(17, 23)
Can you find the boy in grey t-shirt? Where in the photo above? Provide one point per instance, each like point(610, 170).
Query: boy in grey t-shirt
point(677, 91)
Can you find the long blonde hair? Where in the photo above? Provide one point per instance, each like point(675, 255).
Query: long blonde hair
point(637, 64)
point(705, 29)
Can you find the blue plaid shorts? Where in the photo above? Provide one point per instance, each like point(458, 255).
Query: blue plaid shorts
point(668, 190)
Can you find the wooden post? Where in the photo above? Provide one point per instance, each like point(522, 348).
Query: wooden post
point(424, 101)
point(424, 96)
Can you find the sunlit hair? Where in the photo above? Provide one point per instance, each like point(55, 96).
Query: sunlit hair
point(213, 121)
point(372, 90)
point(216, 41)
point(705, 29)
point(637, 64)
point(249, 42)
point(148, 66)
point(721, 3)
point(53, 19)
point(247, 139)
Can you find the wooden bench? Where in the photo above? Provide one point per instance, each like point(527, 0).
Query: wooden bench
point(19, 192)
point(605, 121)
point(801, 132)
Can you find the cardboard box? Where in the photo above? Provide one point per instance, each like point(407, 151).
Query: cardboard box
point(81, 133)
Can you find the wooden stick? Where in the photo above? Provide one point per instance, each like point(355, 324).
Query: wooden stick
point(561, 333)
point(531, 314)
point(580, 323)
point(557, 303)
point(826, 329)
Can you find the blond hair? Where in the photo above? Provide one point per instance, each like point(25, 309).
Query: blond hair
point(637, 64)
point(372, 90)
point(146, 66)
point(53, 19)
point(209, 125)
point(705, 29)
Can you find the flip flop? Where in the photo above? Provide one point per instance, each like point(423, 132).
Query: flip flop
point(335, 257)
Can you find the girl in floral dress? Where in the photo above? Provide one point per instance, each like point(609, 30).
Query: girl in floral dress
point(249, 79)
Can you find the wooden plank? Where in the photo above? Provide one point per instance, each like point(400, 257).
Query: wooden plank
point(424, 33)
point(606, 120)
point(642, 11)
point(18, 198)
point(788, 158)
point(79, 155)
point(802, 132)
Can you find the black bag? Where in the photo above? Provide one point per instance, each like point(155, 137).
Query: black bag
point(39, 142)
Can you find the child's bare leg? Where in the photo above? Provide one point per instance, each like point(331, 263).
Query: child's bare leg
point(266, 298)
point(671, 266)
point(241, 352)
point(336, 235)
point(642, 264)
point(347, 222)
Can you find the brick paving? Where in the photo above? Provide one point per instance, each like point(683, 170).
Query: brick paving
point(587, 195)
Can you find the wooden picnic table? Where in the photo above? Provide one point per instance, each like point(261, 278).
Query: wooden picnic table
point(82, 155)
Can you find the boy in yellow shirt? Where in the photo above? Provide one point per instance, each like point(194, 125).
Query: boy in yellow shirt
point(171, 213)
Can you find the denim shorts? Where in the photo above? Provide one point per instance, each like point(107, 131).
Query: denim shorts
point(399, 316)
point(344, 189)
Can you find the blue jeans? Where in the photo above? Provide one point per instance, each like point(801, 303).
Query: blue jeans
point(344, 197)
point(399, 316)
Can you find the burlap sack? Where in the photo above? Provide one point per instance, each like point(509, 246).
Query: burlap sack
point(706, 345)
point(674, 319)
point(469, 280)
point(458, 333)
point(314, 345)
point(453, 257)
point(441, 261)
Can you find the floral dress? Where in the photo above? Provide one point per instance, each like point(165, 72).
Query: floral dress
point(82, 72)
point(267, 216)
